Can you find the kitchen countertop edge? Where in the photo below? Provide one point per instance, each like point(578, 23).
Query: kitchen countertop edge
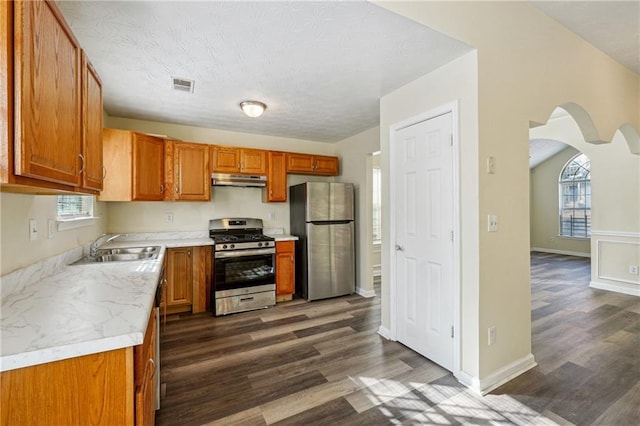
point(97, 344)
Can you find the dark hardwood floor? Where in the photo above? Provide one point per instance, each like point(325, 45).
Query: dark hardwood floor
point(324, 363)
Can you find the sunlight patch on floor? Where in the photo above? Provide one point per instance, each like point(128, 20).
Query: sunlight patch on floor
point(438, 404)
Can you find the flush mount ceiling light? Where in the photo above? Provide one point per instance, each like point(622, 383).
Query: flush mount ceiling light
point(253, 109)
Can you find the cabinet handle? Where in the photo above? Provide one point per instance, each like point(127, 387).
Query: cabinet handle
point(104, 172)
point(177, 189)
point(153, 363)
point(189, 253)
point(83, 163)
point(239, 166)
point(162, 189)
point(271, 192)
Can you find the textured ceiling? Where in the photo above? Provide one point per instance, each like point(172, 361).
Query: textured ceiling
point(611, 26)
point(321, 67)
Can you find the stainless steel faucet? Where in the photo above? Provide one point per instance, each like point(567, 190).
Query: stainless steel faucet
point(93, 248)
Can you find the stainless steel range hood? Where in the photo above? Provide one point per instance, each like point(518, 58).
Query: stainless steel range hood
point(223, 179)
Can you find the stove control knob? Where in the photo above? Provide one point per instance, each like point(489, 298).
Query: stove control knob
point(233, 245)
point(224, 246)
point(259, 244)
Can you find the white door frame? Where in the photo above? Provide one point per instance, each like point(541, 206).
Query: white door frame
point(393, 321)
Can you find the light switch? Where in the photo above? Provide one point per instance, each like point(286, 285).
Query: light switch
point(33, 229)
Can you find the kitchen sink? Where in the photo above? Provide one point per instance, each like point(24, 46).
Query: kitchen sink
point(126, 254)
point(131, 250)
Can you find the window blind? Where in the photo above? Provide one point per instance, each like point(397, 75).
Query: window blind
point(74, 207)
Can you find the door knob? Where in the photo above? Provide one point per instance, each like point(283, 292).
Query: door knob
point(399, 248)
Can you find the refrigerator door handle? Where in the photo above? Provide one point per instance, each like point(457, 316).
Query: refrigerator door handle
point(330, 222)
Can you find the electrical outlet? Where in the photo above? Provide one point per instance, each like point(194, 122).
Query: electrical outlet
point(168, 218)
point(33, 229)
point(633, 269)
point(491, 165)
point(51, 228)
point(491, 335)
point(492, 224)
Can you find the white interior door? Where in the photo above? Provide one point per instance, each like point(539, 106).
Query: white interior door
point(424, 246)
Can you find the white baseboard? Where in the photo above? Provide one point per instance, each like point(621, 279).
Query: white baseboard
point(615, 287)
point(366, 293)
point(565, 252)
point(497, 378)
point(469, 381)
point(384, 332)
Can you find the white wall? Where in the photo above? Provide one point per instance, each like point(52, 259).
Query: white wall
point(544, 208)
point(17, 251)
point(528, 64)
point(226, 202)
point(354, 152)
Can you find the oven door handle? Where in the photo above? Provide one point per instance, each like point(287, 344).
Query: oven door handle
point(244, 253)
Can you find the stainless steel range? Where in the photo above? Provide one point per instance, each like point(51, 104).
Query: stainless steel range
point(243, 266)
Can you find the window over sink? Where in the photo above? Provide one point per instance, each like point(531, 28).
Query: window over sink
point(74, 211)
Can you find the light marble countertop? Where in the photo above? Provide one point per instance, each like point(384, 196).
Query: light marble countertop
point(283, 237)
point(279, 235)
point(81, 309)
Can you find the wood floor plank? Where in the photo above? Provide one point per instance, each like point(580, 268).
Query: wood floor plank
point(323, 362)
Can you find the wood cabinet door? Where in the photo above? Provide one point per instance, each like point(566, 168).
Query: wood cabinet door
point(253, 161)
point(285, 267)
point(145, 403)
point(148, 168)
point(48, 95)
point(179, 276)
point(276, 190)
point(192, 180)
point(202, 258)
point(299, 163)
point(118, 161)
point(93, 171)
point(225, 159)
point(145, 395)
point(325, 165)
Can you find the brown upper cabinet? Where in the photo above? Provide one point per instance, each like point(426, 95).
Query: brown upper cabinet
point(135, 166)
point(226, 159)
point(276, 190)
point(148, 168)
point(50, 94)
point(307, 164)
point(94, 170)
point(190, 171)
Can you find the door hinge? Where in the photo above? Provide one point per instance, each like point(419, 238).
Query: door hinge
point(452, 332)
point(451, 140)
point(452, 235)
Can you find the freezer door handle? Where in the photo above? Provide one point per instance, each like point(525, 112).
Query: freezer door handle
point(330, 222)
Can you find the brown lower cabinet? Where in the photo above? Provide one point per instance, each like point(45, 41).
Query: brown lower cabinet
point(110, 388)
point(187, 272)
point(285, 270)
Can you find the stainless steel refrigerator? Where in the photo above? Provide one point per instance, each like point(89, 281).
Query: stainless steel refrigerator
point(322, 217)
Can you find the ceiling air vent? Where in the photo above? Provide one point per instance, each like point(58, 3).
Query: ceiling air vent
point(183, 84)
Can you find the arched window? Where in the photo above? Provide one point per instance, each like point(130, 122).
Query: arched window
point(575, 198)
